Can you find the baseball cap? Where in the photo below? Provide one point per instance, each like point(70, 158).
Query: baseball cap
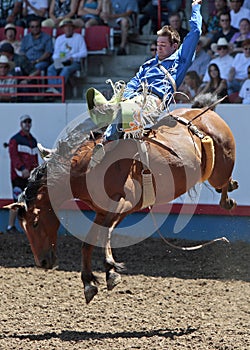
point(7, 47)
point(10, 26)
point(25, 117)
point(65, 22)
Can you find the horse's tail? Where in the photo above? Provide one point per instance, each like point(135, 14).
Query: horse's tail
point(208, 148)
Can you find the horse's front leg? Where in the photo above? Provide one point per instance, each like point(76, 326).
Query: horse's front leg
point(88, 278)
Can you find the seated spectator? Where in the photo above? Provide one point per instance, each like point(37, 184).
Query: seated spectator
point(238, 12)
point(190, 87)
point(226, 30)
point(239, 68)
point(89, 13)
point(37, 46)
point(10, 35)
point(213, 19)
point(202, 58)
point(241, 36)
point(118, 12)
point(34, 10)
point(22, 67)
point(59, 10)
point(244, 93)
point(70, 48)
point(216, 85)
point(224, 60)
point(175, 22)
point(5, 67)
point(150, 12)
point(10, 12)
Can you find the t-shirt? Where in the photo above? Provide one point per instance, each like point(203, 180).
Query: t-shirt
point(224, 64)
point(38, 4)
point(236, 17)
point(241, 63)
point(245, 92)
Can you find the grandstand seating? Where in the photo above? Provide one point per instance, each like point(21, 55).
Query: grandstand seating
point(161, 10)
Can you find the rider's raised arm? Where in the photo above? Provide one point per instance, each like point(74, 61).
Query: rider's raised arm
point(186, 51)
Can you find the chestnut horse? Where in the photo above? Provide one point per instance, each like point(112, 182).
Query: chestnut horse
point(112, 189)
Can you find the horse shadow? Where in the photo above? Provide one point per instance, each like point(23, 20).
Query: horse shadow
point(67, 335)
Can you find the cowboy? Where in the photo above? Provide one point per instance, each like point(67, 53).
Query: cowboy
point(162, 75)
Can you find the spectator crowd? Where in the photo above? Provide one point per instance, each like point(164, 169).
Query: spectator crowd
point(222, 59)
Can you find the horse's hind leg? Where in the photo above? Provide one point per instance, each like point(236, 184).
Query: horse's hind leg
point(225, 201)
point(232, 185)
point(111, 266)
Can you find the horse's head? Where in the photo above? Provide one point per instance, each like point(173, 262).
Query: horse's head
point(37, 218)
point(40, 224)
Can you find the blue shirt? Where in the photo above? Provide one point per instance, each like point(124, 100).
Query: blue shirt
point(177, 64)
point(35, 48)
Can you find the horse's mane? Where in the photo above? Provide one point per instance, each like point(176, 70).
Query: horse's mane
point(204, 100)
point(58, 163)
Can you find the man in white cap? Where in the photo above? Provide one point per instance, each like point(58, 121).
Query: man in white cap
point(224, 60)
point(70, 49)
point(23, 158)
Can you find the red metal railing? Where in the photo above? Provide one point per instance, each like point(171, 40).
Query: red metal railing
point(37, 84)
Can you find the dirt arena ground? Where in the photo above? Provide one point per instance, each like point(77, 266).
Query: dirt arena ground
point(168, 299)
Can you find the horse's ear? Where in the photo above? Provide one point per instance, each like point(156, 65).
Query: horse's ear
point(15, 206)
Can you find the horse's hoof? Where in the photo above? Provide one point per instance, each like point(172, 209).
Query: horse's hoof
point(233, 204)
point(229, 205)
point(90, 292)
point(113, 279)
point(233, 185)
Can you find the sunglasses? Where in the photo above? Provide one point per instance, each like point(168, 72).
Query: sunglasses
point(247, 48)
point(4, 67)
point(222, 48)
point(153, 49)
point(235, 0)
point(27, 121)
point(35, 26)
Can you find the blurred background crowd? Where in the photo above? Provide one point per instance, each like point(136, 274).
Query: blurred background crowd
point(47, 37)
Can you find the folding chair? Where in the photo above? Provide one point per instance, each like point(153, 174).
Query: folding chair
point(99, 41)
